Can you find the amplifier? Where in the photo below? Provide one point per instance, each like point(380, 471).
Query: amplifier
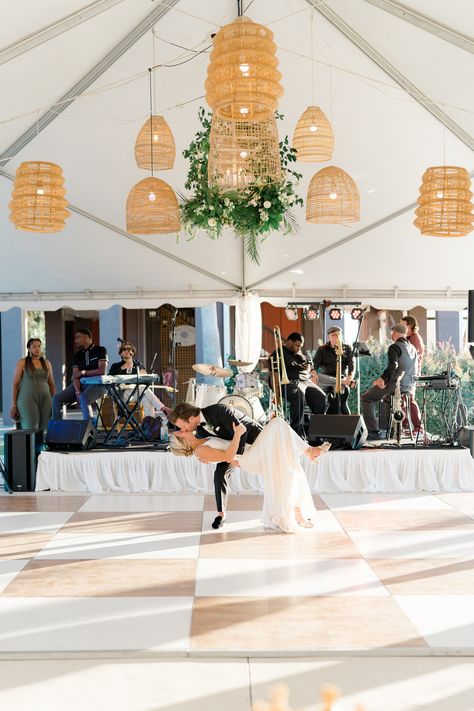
point(22, 448)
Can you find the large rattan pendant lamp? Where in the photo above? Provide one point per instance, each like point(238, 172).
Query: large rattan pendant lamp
point(313, 138)
point(243, 153)
point(445, 207)
point(243, 82)
point(333, 197)
point(155, 144)
point(38, 199)
point(152, 206)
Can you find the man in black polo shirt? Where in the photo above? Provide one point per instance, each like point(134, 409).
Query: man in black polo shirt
point(300, 390)
point(325, 364)
point(89, 360)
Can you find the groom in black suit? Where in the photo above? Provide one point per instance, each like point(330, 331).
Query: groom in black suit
point(216, 421)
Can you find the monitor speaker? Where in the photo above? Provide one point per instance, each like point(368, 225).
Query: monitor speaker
point(344, 431)
point(470, 317)
point(22, 448)
point(70, 434)
point(466, 438)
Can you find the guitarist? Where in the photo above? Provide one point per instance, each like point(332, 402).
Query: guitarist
point(326, 367)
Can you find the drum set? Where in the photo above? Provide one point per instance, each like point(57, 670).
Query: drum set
point(247, 391)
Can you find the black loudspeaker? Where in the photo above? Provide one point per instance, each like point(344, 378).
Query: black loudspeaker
point(470, 317)
point(69, 435)
point(467, 438)
point(343, 431)
point(22, 448)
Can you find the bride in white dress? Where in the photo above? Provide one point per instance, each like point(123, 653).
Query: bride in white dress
point(275, 454)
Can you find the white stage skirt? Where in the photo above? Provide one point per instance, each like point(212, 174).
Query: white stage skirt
point(387, 471)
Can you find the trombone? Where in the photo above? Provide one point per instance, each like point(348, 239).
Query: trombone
point(278, 374)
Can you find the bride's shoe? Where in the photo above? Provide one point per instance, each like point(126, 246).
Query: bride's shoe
point(314, 452)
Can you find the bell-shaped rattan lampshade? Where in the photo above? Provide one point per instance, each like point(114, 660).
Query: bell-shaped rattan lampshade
point(313, 138)
point(243, 81)
point(333, 197)
point(155, 140)
point(444, 204)
point(152, 208)
point(243, 153)
point(38, 203)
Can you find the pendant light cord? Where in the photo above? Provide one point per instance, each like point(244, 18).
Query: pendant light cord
point(240, 10)
point(151, 119)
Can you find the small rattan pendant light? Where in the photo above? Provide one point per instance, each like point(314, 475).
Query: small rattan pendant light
point(243, 153)
point(243, 81)
point(313, 138)
point(152, 205)
point(333, 197)
point(155, 138)
point(38, 198)
point(445, 207)
point(152, 208)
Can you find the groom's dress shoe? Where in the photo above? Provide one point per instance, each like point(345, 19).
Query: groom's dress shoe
point(218, 522)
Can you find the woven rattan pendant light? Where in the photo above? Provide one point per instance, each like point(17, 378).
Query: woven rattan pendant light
point(155, 137)
point(152, 208)
point(445, 207)
point(243, 153)
point(243, 81)
point(333, 197)
point(313, 138)
point(38, 203)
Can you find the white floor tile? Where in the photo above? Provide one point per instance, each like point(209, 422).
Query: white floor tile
point(414, 544)
point(9, 569)
point(462, 501)
point(121, 545)
point(32, 522)
point(94, 624)
point(108, 685)
point(250, 521)
point(443, 620)
point(273, 578)
point(402, 502)
point(144, 502)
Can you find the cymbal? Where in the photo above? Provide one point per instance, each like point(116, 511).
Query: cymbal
point(239, 363)
point(208, 369)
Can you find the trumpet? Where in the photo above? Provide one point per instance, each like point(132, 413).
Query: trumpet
point(279, 375)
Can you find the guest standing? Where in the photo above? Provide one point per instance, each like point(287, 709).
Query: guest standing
point(33, 389)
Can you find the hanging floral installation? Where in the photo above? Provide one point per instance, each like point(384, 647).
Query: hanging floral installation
point(253, 212)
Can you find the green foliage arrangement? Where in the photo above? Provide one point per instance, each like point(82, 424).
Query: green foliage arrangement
point(253, 212)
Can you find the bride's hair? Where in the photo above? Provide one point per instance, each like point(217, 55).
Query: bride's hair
point(180, 448)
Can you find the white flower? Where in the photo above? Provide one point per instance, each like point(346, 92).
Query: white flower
point(267, 204)
point(211, 208)
point(291, 199)
point(263, 215)
point(212, 222)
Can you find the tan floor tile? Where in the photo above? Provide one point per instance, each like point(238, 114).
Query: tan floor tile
point(389, 520)
point(17, 546)
point(307, 544)
point(45, 502)
point(99, 578)
point(319, 502)
point(240, 502)
point(433, 576)
point(125, 522)
point(300, 623)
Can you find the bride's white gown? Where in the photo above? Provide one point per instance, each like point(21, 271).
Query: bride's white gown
point(275, 455)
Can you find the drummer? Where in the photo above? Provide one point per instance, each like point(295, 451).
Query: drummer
point(152, 405)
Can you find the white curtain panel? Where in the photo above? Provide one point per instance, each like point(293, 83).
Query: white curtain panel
point(248, 330)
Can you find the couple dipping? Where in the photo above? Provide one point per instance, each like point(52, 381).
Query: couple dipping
point(224, 436)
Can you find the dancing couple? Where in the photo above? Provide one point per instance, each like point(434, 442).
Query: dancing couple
point(224, 436)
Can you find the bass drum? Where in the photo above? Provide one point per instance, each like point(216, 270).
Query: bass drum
point(251, 407)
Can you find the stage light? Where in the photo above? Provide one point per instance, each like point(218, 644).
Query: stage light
point(356, 313)
point(335, 314)
point(311, 313)
point(291, 313)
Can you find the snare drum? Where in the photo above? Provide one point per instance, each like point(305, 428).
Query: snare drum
point(244, 381)
point(252, 407)
point(209, 394)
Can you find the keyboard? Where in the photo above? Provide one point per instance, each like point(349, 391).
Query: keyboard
point(145, 379)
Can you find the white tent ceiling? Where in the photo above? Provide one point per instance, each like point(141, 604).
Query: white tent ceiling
point(386, 136)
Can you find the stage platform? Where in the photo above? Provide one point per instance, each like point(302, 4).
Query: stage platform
point(367, 470)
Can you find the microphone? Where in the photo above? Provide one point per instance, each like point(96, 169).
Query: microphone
point(120, 340)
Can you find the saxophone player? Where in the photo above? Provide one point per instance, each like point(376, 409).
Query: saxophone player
point(402, 358)
point(300, 390)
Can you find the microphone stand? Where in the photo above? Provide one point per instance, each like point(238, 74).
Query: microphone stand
point(173, 356)
point(356, 356)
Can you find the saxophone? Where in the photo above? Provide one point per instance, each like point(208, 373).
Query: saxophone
point(397, 412)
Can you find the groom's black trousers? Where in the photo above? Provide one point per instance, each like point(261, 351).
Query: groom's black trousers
point(222, 473)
